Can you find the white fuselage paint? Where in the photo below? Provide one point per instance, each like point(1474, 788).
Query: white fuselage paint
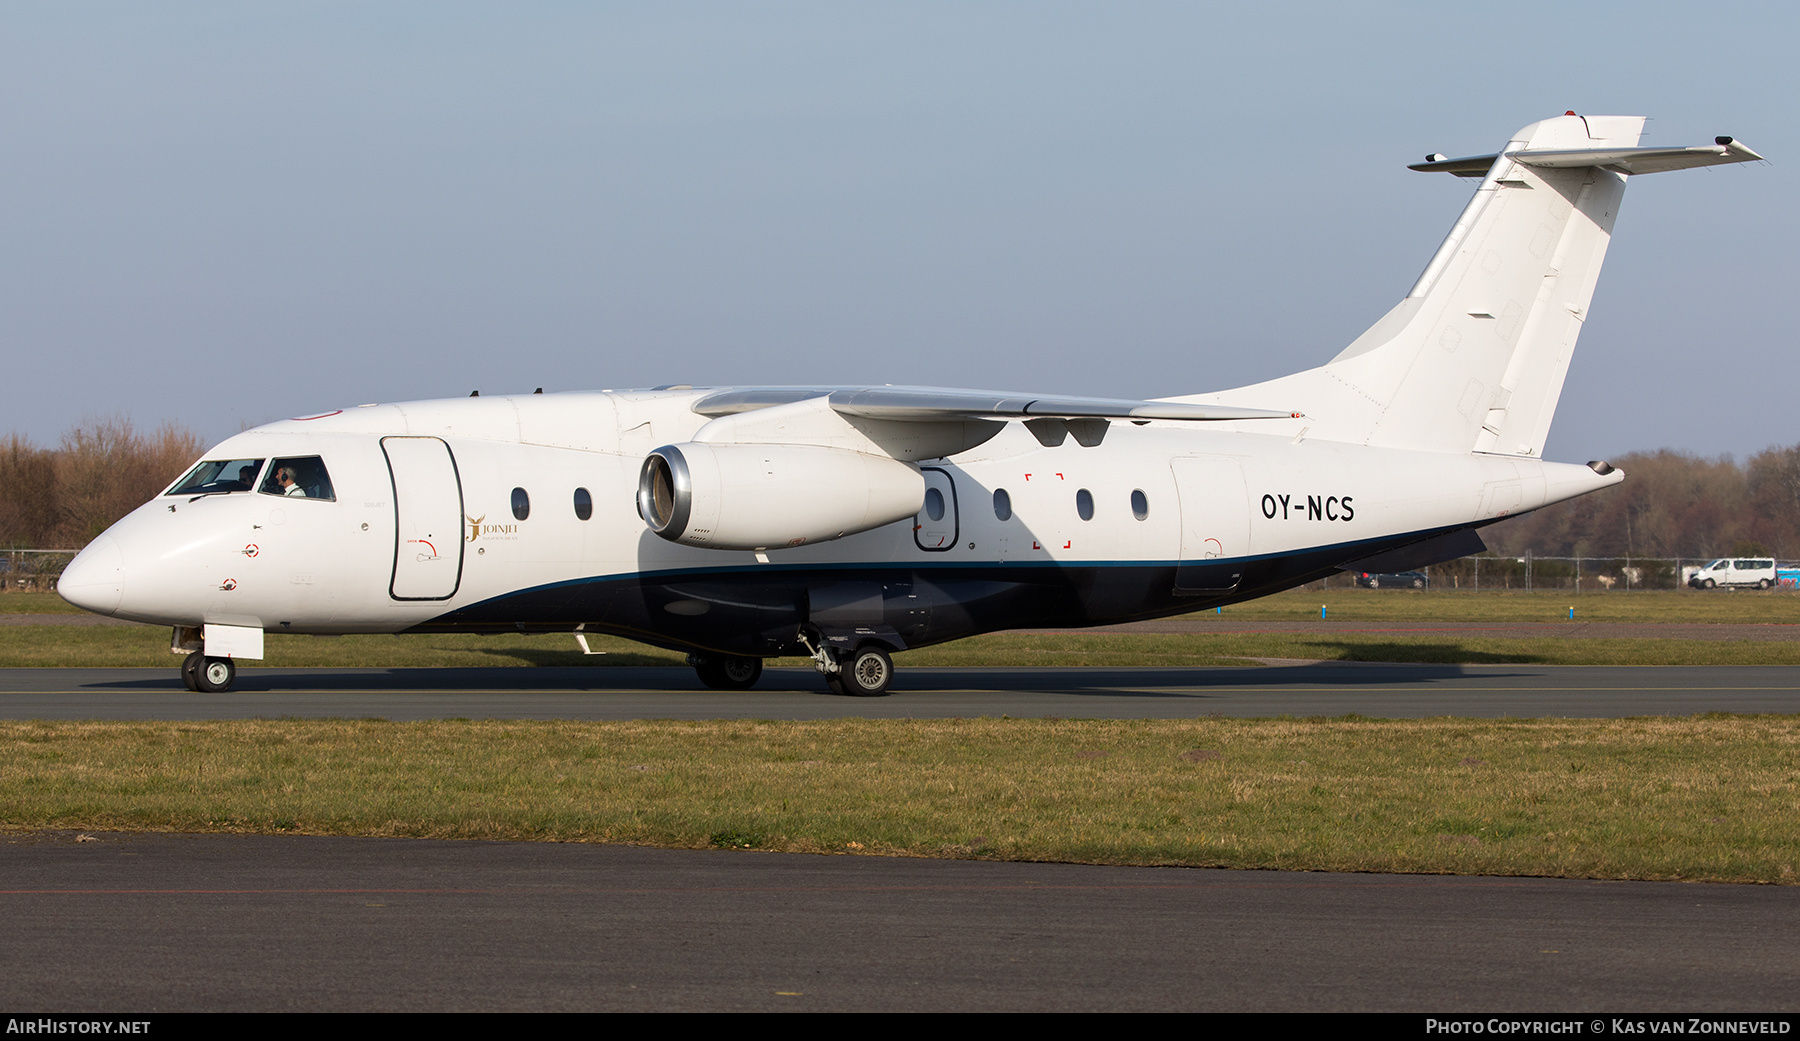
point(357, 564)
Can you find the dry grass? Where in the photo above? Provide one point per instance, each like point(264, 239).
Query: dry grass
point(1701, 798)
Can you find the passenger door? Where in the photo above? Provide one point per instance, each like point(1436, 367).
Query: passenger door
point(428, 513)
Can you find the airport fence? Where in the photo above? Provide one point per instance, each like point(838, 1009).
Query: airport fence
point(1531, 572)
point(32, 570)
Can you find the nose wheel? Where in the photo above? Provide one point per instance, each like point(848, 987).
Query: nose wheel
point(204, 675)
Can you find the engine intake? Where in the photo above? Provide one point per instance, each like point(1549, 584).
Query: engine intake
point(761, 497)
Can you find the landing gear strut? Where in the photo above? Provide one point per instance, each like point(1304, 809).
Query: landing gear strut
point(727, 671)
point(204, 675)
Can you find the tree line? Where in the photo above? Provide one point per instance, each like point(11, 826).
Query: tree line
point(61, 497)
point(1671, 504)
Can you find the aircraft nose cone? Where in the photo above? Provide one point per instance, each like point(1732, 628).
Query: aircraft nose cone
point(95, 579)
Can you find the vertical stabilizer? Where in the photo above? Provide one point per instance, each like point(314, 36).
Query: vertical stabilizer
point(1473, 359)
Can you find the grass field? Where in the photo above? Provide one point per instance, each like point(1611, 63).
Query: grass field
point(1708, 798)
point(1705, 798)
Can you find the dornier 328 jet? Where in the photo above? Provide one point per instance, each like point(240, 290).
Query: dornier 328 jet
point(846, 523)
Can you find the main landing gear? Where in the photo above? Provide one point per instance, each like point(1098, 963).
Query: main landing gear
point(204, 675)
point(863, 673)
point(727, 671)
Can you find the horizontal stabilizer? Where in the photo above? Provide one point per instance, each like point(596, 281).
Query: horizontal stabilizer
point(933, 403)
point(1467, 166)
point(1625, 160)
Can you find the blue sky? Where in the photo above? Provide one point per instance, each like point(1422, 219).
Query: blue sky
point(223, 214)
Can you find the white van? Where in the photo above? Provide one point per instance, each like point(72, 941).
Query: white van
point(1738, 571)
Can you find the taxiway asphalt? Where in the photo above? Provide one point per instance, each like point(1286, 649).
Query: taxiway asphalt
point(150, 923)
point(1321, 689)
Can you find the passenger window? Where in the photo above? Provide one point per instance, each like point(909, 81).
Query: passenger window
point(521, 504)
point(1002, 504)
point(301, 477)
point(934, 504)
point(1084, 504)
point(1140, 504)
point(584, 504)
point(219, 475)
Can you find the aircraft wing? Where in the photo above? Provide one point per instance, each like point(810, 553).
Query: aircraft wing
point(928, 404)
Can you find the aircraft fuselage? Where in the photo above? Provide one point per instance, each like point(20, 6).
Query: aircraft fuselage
point(1158, 519)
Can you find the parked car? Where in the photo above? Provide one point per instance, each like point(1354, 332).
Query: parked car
point(1394, 580)
point(1739, 571)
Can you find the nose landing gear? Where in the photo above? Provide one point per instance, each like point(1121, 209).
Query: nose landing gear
point(204, 675)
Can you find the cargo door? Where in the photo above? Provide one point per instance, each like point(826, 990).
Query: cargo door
point(1215, 524)
point(428, 513)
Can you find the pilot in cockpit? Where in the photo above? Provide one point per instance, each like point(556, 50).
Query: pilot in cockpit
point(284, 476)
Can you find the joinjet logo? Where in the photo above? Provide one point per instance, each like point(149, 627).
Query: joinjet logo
point(477, 529)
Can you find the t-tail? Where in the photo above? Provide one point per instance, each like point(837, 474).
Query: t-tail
point(1473, 359)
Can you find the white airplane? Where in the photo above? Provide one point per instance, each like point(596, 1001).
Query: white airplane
point(846, 523)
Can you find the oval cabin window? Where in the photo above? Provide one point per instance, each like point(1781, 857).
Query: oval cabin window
point(584, 504)
point(521, 504)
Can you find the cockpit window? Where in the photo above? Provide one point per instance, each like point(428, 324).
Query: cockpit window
point(219, 475)
point(299, 477)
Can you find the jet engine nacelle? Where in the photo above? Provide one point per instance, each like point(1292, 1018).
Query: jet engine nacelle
point(738, 496)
